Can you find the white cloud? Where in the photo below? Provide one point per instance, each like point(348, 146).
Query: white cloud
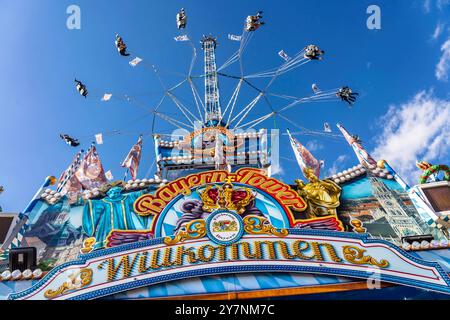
point(443, 66)
point(438, 31)
point(427, 6)
point(416, 130)
point(442, 3)
point(314, 145)
point(337, 165)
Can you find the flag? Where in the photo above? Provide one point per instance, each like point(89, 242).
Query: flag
point(84, 173)
point(133, 158)
point(106, 96)
point(284, 55)
point(68, 183)
point(363, 156)
point(72, 189)
point(90, 173)
point(184, 37)
point(99, 138)
point(233, 37)
point(304, 158)
point(315, 88)
point(326, 127)
point(108, 175)
point(135, 62)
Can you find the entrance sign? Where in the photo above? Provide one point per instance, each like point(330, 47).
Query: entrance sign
point(262, 248)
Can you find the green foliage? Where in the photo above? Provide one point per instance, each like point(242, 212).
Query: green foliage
point(47, 264)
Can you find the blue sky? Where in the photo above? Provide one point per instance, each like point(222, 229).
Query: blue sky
point(400, 72)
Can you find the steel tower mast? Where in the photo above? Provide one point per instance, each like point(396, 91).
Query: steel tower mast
point(213, 111)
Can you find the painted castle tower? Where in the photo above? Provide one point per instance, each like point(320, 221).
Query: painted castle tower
point(396, 214)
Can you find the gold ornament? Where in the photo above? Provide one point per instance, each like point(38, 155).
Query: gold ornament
point(76, 281)
point(380, 164)
point(260, 225)
point(356, 255)
point(225, 198)
point(193, 230)
point(357, 226)
point(88, 245)
point(322, 196)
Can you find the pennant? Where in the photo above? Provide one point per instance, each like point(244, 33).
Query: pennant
point(106, 96)
point(99, 138)
point(108, 175)
point(284, 55)
point(326, 127)
point(304, 158)
point(362, 155)
point(184, 37)
point(233, 37)
point(90, 173)
point(135, 62)
point(133, 158)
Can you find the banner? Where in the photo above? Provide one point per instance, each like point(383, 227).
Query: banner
point(182, 38)
point(362, 155)
point(109, 175)
point(90, 173)
point(233, 37)
point(68, 182)
point(99, 138)
point(106, 97)
point(135, 62)
point(304, 158)
point(133, 158)
point(284, 55)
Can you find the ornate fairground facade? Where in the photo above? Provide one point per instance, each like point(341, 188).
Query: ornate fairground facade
point(214, 224)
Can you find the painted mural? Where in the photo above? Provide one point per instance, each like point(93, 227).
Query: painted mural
point(381, 208)
point(57, 233)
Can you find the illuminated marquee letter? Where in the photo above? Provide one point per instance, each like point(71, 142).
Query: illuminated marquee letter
point(124, 265)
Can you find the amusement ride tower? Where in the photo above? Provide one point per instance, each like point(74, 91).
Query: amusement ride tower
point(213, 145)
point(213, 112)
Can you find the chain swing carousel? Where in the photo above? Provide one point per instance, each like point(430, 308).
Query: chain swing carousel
point(214, 223)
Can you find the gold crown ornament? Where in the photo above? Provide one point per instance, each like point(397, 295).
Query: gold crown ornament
point(225, 196)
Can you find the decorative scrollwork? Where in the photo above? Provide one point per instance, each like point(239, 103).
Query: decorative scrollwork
point(356, 255)
point(193, 230)
point(260, 225)
point(88, 245)
point(76, 281)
